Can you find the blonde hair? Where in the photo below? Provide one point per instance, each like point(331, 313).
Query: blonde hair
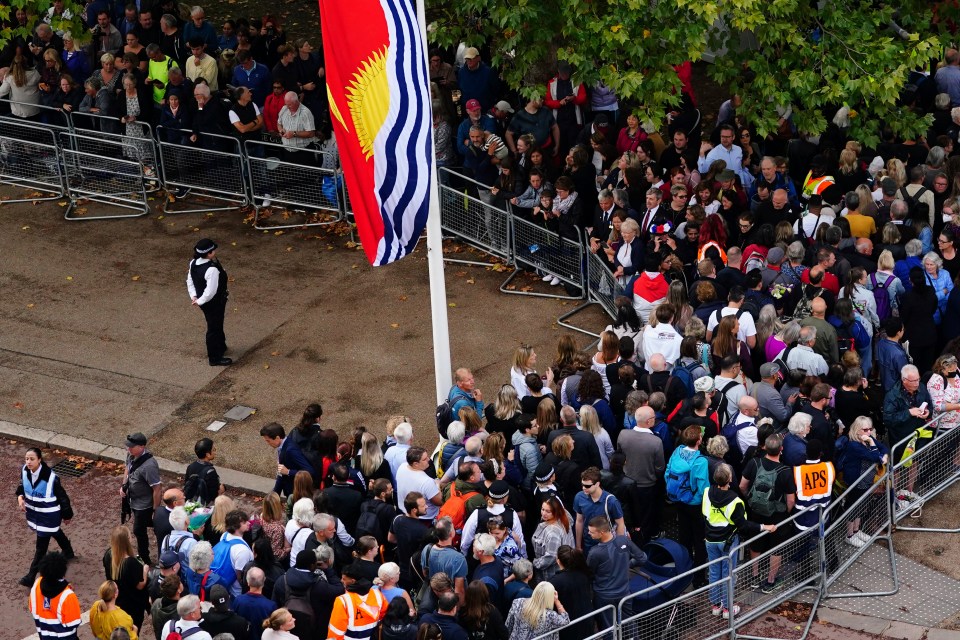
point(121, 548)
point(537, 605)
point(394, 421)
point(848, 161)
point(897, 171)
point(272, 509)
point(108, 591)
point(507, 404)
point(521, 356)
point(589, 420)
point(218, 517)
point(371, 456)
point(563, 447)
point(277, 619)
point(885, 262)
point(388, 572)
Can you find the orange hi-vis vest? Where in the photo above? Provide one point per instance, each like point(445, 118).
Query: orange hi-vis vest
point(814, 482)
point(57, 618)
point(355, 617)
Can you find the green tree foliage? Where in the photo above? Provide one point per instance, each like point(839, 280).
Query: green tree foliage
point(772, 52)
point(37, 9)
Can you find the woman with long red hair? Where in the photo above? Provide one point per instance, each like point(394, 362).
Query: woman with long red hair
point(713, 241)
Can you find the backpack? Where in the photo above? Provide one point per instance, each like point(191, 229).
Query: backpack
point(456, 509)
point(195, 487)
point(845, 340)
point(684, 374)
point(369, 522)
point(297, 601)
point(881, 295)
point(730, 431)
point(679, 486)
point(444, 417)
point(222, 565)
point(724, 401)
point(916, 208)
point(176, 634)
point(804, 306)
point(760, 497)
point(755, 260)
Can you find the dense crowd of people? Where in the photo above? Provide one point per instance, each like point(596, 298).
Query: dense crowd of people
point(788, 324)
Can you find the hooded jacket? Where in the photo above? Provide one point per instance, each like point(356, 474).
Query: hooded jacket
point(687, 461)
point(527, 454)
point(739, 524)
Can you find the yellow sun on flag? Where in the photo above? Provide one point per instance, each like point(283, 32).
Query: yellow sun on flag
point(368, 97)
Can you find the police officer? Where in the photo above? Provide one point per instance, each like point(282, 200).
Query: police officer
point(42, 497)
point(207, 286)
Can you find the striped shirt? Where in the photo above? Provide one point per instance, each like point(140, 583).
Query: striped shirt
point(302, 120)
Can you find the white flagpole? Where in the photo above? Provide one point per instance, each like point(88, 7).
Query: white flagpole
point(442, 367)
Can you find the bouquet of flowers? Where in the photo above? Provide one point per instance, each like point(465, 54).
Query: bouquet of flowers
point(780, 291)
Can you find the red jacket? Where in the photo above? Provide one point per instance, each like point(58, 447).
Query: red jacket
point(550, 100)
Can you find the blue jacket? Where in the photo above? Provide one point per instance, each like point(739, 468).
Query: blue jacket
point(487, 123)
point(891, 357)
point(461, 399)
point(480, 84)
point(258, 80)
point(861, 339)
point(290, 456)
point(794, 450)
point(662, 431)
point(780, 182)
point(902, 270)
point(857, 458)
point(683, 461)
point(206, 32)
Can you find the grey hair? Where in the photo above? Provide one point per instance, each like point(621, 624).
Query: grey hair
point(568, 415)
point(119, 634)
point(853, 200)
point(858, 423)
point(621, 197)
point(224, 636)
point(899, 210)
point(321, 521)
point(934, 258)
point(403, 433)
point(791, 332)
point(93, 83)
point(202, 89)
point(168, 20)
point(796, 251)
point(473, 445)
point(605, 194)
point(936, 157)
point(942, 101)
point(653, 191)
point(799, 422)
point(256, 578)
point(188, 604)
point(808, 335)
point(324, 554)
point(913, 247)
point(303, 512)
point(201, 557)
point(455, 432)
point(179, 519)
point(43, 27)
point(522, 569)
point(907, 369)
point(174, 71)
point(194, 10)
point(485, 543)
point(152, 48)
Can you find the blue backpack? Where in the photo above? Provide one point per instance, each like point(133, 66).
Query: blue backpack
point(684, 373)
point(679, 486)
point(222, 565)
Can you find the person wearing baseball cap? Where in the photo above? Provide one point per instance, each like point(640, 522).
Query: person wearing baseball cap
point(207, 287)
point(220, 619)
point(477, 80)
point(475, 117)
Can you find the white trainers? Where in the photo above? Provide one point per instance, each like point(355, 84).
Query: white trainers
point(854, 541)
point(555, 281)
point(862, 537)
point(548, 278)
point(726, 612)
point(266, 200)
point(716, 610)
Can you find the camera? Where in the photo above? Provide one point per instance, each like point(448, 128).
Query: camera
point(97, 31)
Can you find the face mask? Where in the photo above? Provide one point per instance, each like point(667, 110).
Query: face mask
point(947, 218)
point(952, 374)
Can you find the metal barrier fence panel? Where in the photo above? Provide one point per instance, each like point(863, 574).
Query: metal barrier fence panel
point(547, 251)
point(30, 158)
point(137, 137)
point(48, 117)
point(644, 615)
point(312, 182)
point(464, 214)
point(928, 471)
point(587, 625)
point(795, 562)
point(602, 289)
point(109, 180)
point(855, 565)
point(206, 176)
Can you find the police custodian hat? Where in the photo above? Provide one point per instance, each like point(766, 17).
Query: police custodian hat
point(204, 247)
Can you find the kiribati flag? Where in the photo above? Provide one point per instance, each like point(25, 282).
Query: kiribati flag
point(380, 103)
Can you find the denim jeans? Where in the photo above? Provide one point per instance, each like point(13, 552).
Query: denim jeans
point(720, 570)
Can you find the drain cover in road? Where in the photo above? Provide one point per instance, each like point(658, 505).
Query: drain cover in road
point(216, 425)
point(239, 412)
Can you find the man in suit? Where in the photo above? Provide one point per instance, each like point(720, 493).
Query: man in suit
point(654, 196)
point(602, 219)
point(290, 458)
point(172, 498)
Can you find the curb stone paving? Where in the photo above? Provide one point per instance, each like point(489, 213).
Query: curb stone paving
point(247, 482)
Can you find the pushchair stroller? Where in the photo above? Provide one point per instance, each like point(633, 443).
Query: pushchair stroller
point(666, 559)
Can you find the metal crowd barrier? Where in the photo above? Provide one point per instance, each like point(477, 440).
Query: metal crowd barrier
point(139, 146)
point(602, 290)
point(314, 183)
point(542, 249)
point(588, 622)
point(465, 215)
point(49, 117)
point(209, 172)
point(928, 472)
point(108, 177)
point(30, 159)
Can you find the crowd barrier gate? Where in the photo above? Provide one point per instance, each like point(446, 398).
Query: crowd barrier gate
point(602, 290)
point(316, 185)
point(465, 215)
point(590, 620)
point(139, 148)
point(212, 174)
point(104, 174)
point(542, 249)
point(30, 159)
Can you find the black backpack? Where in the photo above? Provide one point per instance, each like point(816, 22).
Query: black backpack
point(195, 486)
point(369, 522)
point(444, 417)
point(297, 601)
point(916, 208)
